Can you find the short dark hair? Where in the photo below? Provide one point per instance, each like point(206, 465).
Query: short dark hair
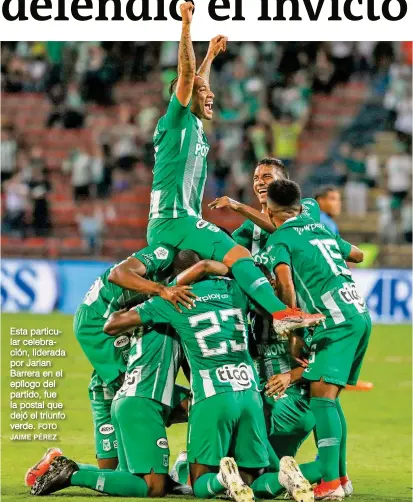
point(183, 260)
point(324, 190)
point(174, 82)
point(275, 163)
point(172, 85)
point(284, 193)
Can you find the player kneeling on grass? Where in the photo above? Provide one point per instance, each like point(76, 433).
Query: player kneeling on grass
point(309, 263)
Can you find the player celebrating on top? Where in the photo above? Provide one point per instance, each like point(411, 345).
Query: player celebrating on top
point(180, 171)
point(309, 262)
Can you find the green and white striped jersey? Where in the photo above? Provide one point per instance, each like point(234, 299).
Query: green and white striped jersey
point(213, 335)
point(105, 297)
point(322, 280)
point(180, 171)
point(271, 353)
point(153, 364)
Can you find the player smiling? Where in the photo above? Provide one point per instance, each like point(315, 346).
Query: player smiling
point(179, 177)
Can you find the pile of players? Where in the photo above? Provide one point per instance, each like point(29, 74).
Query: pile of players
point(263, 373)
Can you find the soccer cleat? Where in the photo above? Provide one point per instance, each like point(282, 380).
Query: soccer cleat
point(180, 463)
point(287, 320)
point(292, 479)
point(347, 486)
point(231, 479)
point(329, 490)
point(56, 478)
point(42, 466)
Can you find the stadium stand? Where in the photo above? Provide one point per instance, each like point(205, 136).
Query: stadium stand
point(77, 121)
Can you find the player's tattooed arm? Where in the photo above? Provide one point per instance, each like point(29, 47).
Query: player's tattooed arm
point(217, 45)
point(122, 322)
point(260, 219)
point(200, 270)
point(186, 57)
point(129, 275)
point(285, 285)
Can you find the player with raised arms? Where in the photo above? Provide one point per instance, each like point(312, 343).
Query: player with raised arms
point(310, 267)
point(180, 172)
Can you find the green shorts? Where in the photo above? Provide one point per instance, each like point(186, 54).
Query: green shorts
point(190, 232)
point(101, 397)
point(337, 353)
point(107, 354)
point(140, 430)
point(289, 422)
point(228, 424)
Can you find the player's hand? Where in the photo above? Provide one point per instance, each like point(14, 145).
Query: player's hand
point(187, 10)
point(178, 295)
point(277, 385)
point(217, 45)
point(298, 350)
point(225, 201)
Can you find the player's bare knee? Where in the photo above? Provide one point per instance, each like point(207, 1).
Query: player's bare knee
point(156, 485)
point(108, 463)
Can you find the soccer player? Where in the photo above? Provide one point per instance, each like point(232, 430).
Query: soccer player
point(111, 291)
point(146, 402)
point(310, 267)
point(254, 232)
point(329, 200)
point(180, 171)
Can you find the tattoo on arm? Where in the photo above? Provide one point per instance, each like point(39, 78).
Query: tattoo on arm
point(186, 57)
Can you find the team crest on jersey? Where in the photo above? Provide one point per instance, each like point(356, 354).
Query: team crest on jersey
point(161, 253)
point(237, 376)
point(106, 445)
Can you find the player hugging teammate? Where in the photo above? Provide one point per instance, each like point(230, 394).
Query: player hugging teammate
point(246, 418)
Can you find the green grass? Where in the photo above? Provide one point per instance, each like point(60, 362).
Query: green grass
point(379, 442)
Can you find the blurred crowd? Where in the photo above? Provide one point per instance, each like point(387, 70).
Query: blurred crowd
point(262, 105)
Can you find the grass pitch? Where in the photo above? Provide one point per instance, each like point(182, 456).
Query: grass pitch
point(379, 422)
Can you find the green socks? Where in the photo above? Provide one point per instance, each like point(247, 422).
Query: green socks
point(329, 435)
point(255, 285)
point(312, 471)
point(343, 444)
point(267, 486)
point(208, 486)
point(121, 484)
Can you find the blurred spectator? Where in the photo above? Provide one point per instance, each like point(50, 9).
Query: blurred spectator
point(399, 178)
point(35, 160)
point(357, 181)
point(343, 59)
point(101, 75)
point(329, 200)
point(286, 133)
point(324, 73)
point(69, 111)
point(39, 189)
point(123, 139)
point(16, 204)
point(9, 146)
point(91, 221)
point(407, 217)
point(221, 169)
point(79, 165)
point(102, 171)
